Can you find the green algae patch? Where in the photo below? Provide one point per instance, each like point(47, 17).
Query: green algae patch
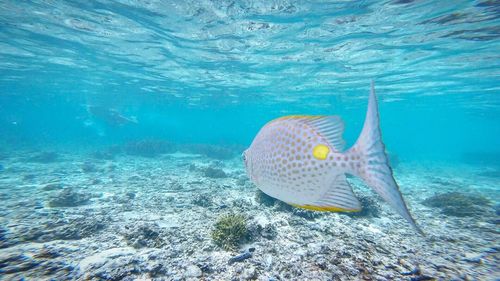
point(229, 231)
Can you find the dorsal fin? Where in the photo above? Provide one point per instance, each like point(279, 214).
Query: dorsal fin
point(331, 127)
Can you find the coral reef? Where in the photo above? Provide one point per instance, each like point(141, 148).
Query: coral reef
point(149, 148)
point(148, 235)
point(89, 167)
point(68, 197)
point(458, 204)
point(44, 157)
point(229, 231)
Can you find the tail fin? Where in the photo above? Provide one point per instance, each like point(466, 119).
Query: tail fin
point(375, 169)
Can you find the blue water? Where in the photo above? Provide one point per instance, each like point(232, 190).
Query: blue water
point(183, 68)
point(90, 75)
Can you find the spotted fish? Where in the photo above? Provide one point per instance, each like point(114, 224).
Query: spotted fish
point(301, 160)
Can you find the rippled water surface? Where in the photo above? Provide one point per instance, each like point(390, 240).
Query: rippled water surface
point(272, 50)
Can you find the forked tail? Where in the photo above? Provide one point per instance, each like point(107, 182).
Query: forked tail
point(374, 168)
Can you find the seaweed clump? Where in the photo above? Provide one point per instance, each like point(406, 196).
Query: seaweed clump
point(458, 204)
point(229, 231)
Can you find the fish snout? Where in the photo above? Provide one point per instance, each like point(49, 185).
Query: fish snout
point(248, 166)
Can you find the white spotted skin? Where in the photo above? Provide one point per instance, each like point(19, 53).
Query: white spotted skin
point(281, 163)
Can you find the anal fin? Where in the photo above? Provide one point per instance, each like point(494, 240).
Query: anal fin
point(338, 198)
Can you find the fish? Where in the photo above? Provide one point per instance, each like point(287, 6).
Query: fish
point(110, 116)
point(301, 160)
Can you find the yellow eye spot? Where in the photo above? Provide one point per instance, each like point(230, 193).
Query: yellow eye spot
point(321, 151)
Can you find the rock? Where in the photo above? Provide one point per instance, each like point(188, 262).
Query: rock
point(476, 260)
point(458, 204)
point(29, 177)
point(130, 195)
point(89, 167)
point(63, 229)
point(241, 257)
point(249, 273)
point(5, 240)
point(193, 271)
point(115, 268)
point(149, 148)
point(370, 207)
point(16, 262)
point(59, 269)
point(264, 199)
point(422, 278)
point(53, 186)
point(262, 228)
point(44, 157)
point(47, 253)
point(202, 200)
point(215, 173)
point(104, 155)
point(145, 235)
point(212, 151)
point(69, 198)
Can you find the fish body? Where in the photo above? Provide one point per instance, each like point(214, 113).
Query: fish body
point(301, 160)
point(110, 116)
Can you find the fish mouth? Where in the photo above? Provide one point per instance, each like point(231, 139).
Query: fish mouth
point(248, 166)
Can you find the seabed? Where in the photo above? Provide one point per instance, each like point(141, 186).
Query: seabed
point(116, 216)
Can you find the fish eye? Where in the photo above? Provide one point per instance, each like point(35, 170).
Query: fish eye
point(243, 156)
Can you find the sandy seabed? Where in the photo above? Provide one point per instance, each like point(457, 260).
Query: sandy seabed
point(150, 218)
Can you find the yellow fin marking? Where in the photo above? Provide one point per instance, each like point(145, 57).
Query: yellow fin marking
point(323, 208)
point(321, 151)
